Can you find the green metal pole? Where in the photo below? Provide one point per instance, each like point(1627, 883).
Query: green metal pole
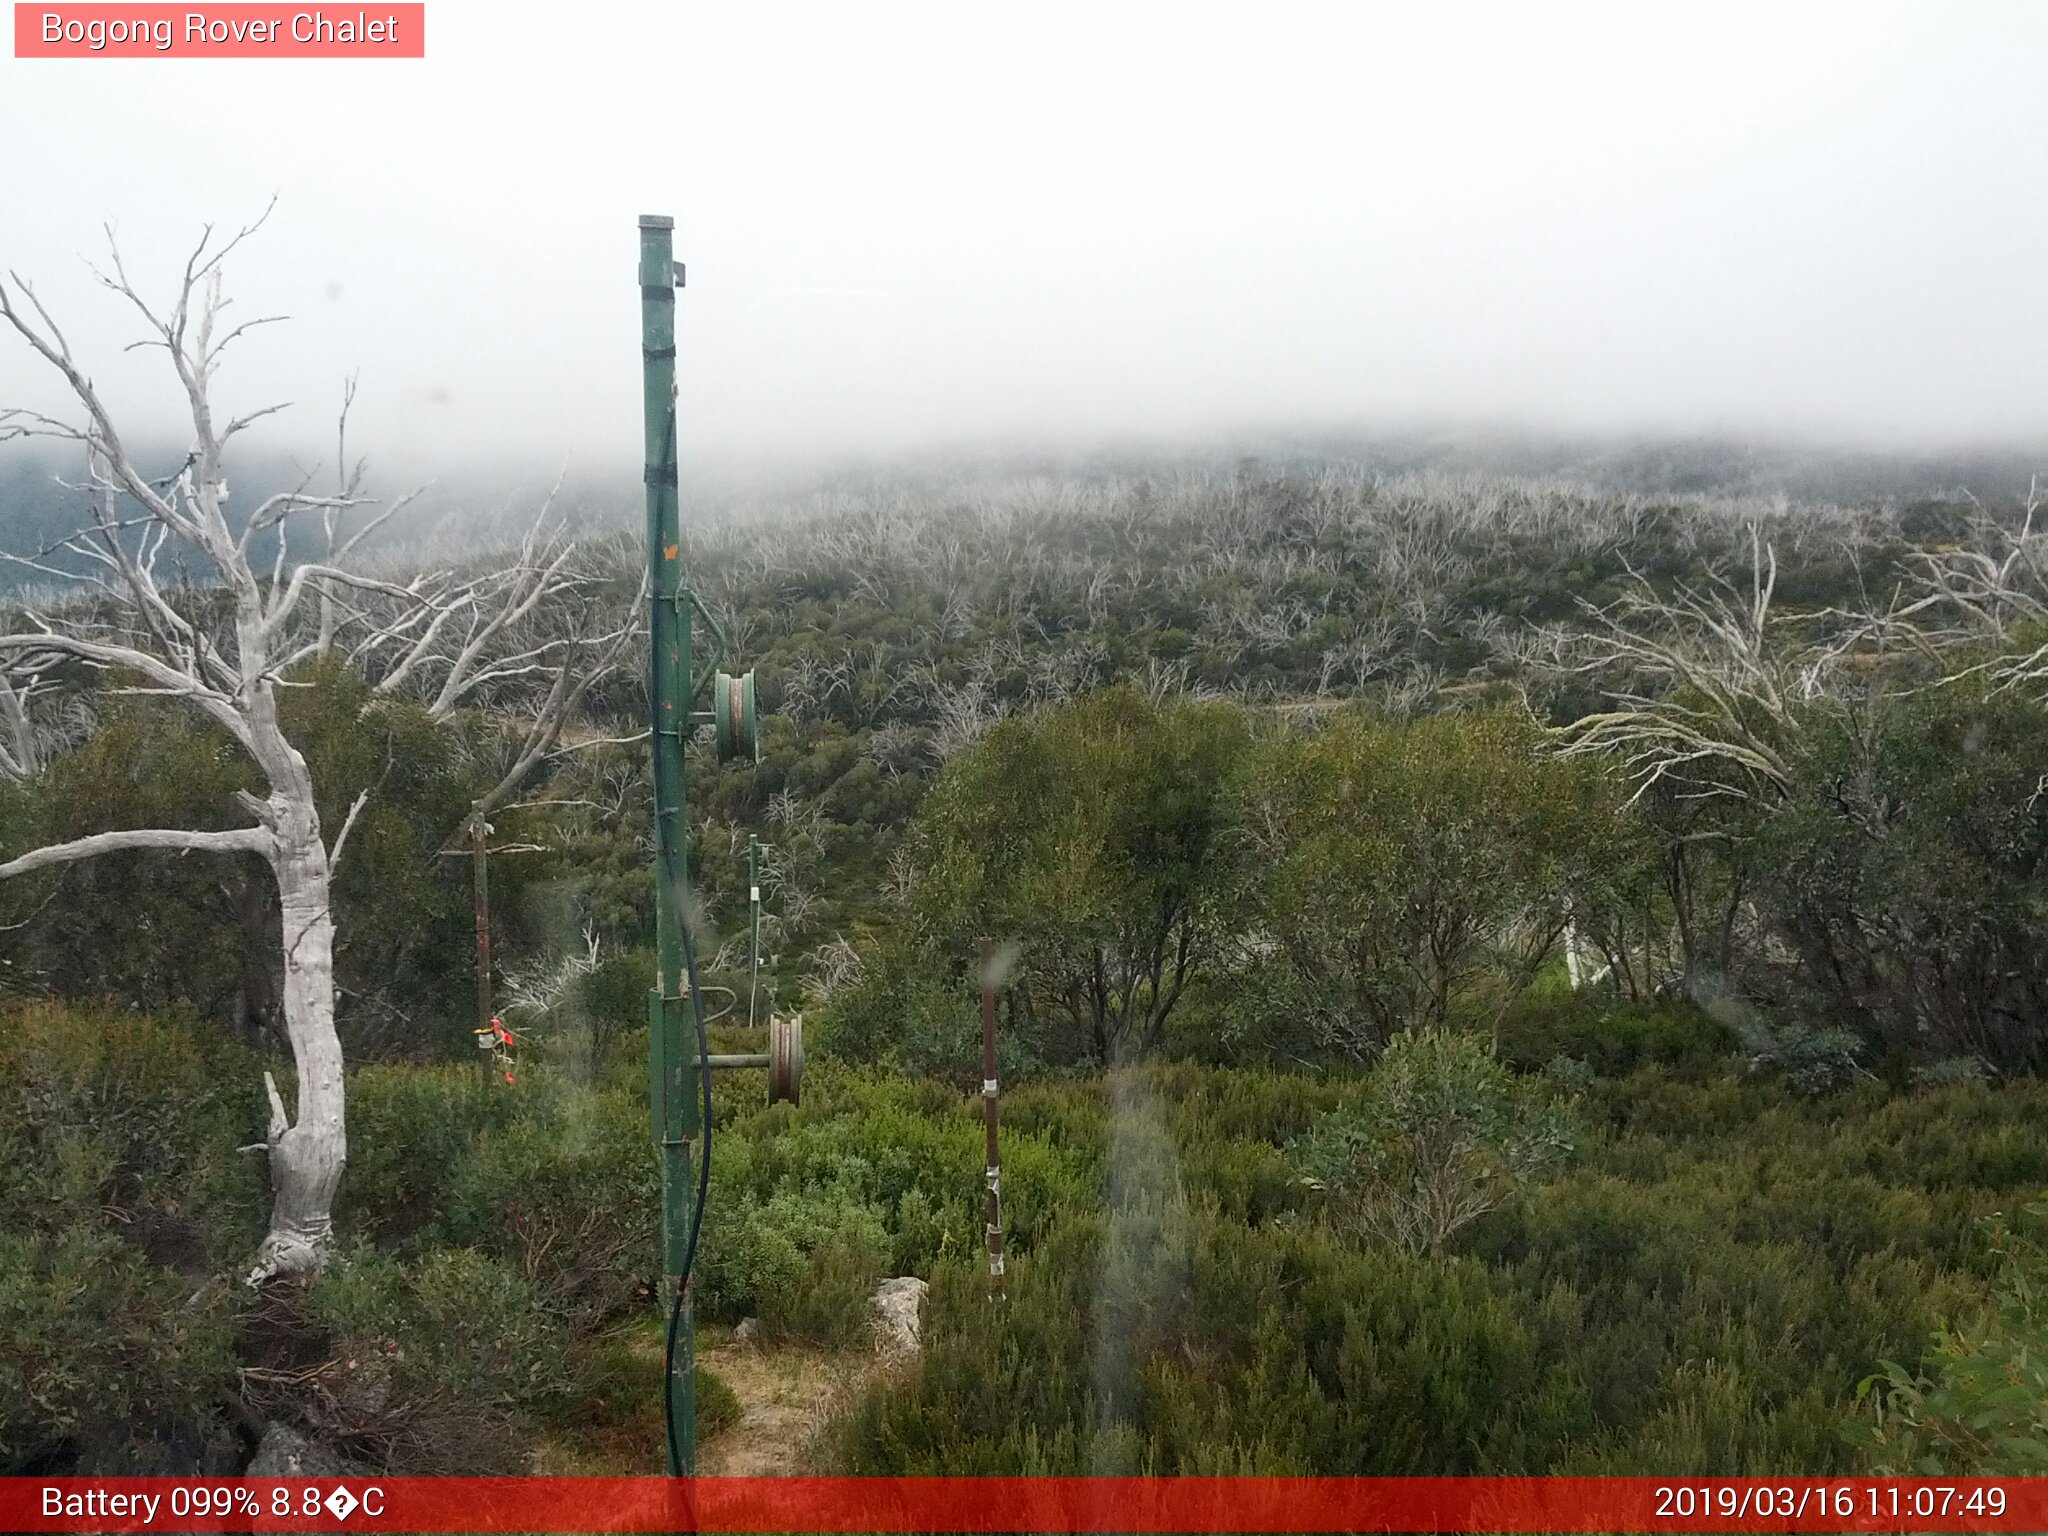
point(672, 1048)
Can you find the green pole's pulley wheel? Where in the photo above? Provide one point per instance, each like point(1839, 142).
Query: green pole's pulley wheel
point(786, 1060)
point(736, 719)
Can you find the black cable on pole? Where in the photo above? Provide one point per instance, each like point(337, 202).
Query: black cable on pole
point(675, 1308)
point(664, 474)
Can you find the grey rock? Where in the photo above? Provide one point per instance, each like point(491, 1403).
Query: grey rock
point(284, 1452)
point(897, 1303)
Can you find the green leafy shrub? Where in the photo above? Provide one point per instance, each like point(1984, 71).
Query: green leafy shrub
point(904, 1019)
point(410, 1128)
point(612, 999)
point(1699, 1290)
point(805, 1260)
point(432, 1365)
point(1095, 836)
point(1614, 1037)
point(1951, 1071)
point(137, 1114)
point(829, 1302)
point(565, 1191)
point(1979, 1404)
point(1906, 871)
point(1405, 868)
point(105, 1361)
point(140, 929)
point(155, 932)
point(1813, 1061)
point(1443, 1135)
point(121, 1193)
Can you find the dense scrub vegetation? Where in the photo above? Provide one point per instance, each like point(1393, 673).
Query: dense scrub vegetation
point(1704, 1288)
point(1477, 996)
point(1700, 1279)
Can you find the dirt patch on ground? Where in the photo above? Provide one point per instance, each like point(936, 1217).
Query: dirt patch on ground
point(786, 1396)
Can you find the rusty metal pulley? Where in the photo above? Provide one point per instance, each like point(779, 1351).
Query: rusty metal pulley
point(736, 719)
point(785, 1059)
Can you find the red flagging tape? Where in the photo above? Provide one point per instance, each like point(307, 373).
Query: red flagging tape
point(1105, 1504)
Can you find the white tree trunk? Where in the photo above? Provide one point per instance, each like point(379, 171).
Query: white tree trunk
point(307, 1154)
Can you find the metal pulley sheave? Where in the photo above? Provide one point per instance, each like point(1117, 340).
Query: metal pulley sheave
point(786, 1060)
point(736, 720)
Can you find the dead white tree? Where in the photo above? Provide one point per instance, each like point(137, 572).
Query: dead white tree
point(1972, 597)
point(1709, 691)
point(1720, 715)
point(28, 734)
point(224, 645)
point(528, 638)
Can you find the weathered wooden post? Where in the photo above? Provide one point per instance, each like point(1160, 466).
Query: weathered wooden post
point(989, 1090)
point(480, 875)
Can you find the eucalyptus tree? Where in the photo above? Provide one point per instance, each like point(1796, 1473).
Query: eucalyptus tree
point(226, 633)
point(1093, 835)
point(1399, 869)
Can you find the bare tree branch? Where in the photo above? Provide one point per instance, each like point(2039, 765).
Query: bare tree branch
point(348, 823)
point(241, 840)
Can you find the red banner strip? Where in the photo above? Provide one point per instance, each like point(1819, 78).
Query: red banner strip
point(1003, 1504)
point(376, 30)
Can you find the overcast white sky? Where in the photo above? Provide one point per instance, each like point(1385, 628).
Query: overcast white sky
point(917, 225)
